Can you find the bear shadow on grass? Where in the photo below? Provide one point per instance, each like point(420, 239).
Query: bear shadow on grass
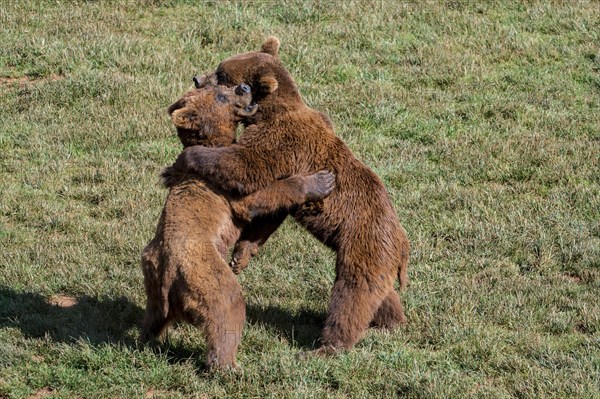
point(110, 321)
point(301, 329)
point(96, 321)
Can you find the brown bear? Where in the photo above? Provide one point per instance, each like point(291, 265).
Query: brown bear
point(185, 272)
point(283, 138)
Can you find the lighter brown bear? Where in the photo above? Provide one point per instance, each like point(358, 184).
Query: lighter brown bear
point(283, 138)
point(185, 271)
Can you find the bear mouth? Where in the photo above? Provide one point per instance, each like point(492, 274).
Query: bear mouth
point(245, 110)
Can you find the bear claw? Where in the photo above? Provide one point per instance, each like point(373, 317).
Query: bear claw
point(319, 185)
point(241, 256)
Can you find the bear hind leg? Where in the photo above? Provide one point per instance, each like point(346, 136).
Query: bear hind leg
point(155, 323)
point(390, 314)
point(221, 316)
point(155, 318)
point(224, 334)
point(353, 306)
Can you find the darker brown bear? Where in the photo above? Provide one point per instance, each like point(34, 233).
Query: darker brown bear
point(185, 273)
point(286, 137)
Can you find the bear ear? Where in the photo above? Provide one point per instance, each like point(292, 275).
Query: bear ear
point(176, 105)
point(271, 46)
point(184, 118)
point(206, 80)
point(268, 84)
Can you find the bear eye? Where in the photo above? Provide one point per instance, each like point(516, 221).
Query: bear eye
point(221, 78)
point(222, 98)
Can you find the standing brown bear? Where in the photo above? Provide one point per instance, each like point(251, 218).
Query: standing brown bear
point(185, 272)
point(285, 137)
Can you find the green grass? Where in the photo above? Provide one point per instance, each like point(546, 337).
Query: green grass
point(482, 120)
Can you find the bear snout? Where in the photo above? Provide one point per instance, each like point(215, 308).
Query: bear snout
point(242, 89)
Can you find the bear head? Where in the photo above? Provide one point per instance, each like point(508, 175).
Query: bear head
point(209, 116)
point(271, 83)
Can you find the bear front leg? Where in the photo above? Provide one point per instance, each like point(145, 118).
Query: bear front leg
point(269, 207)
point(234, 169)
point(284, 195)
point(253, 236)
point(243, 252)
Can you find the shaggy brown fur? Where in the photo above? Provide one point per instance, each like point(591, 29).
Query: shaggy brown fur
point(286, 137)
point(185, 273)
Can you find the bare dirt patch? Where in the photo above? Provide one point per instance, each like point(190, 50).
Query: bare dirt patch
point(27, 80)
point(573, 278)
point(159, 393)
point(62, 301)
point(42, 393)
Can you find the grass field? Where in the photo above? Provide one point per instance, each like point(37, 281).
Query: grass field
point(482, 120)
